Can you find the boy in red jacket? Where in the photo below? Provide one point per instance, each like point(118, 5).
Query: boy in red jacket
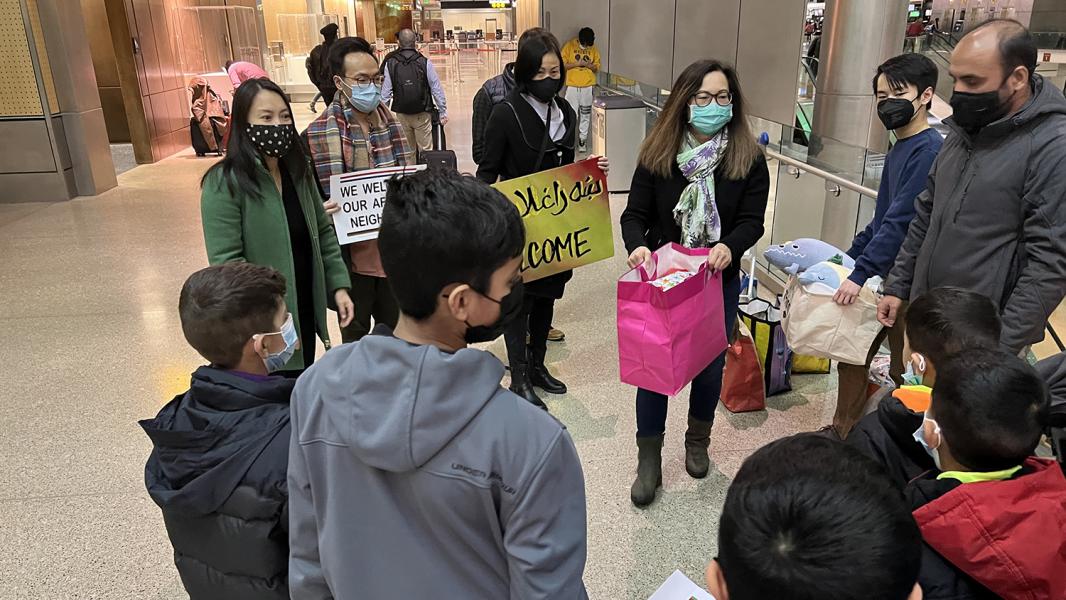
point(993, 516)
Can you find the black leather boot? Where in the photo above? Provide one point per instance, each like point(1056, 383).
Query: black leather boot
point(540, 376)
point(697, 440)
point(649, 470)
point(521, 385)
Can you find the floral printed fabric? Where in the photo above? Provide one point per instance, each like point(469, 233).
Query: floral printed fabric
point(696, 212)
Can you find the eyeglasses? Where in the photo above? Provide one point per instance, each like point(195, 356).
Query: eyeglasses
point(722, 98)
point(365, 82)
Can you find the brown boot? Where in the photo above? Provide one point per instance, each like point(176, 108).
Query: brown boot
point(649, 470)
point(697, 440)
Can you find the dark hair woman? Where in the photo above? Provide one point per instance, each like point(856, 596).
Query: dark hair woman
point(532, 130)
point(261, 204)
point(701, 182)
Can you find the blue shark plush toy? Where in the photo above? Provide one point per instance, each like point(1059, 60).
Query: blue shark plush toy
point(799, 255)
point(828, 274)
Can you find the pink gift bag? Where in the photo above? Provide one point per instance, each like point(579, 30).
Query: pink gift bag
point(667, 336)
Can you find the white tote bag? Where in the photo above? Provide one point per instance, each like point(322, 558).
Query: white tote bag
point(817, 326)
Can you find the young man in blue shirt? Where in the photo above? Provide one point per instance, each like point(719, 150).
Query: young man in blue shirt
point(904, 86)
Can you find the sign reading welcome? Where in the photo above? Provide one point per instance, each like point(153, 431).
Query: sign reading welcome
point(567, 215)
point(361, 196)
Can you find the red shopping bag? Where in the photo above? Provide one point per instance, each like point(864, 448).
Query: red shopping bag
point(742, 382)
point(666, 337)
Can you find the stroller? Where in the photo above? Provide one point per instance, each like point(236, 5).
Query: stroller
point(210, 118)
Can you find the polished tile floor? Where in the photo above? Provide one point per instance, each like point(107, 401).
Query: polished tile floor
point(92, 343)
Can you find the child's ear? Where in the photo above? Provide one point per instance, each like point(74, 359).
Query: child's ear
point(456, 301)
point(255, 346)
point(716, 581)
point(929, 378)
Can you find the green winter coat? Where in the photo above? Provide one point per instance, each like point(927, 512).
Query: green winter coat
point(256, 230)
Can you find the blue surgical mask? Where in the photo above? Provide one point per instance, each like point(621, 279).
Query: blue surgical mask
point(278, 360)
point(912, 377)
point(919, 436)
point(710, 119)
point(364, 99)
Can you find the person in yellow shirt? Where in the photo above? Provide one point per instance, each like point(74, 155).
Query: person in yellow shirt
point(582, 63)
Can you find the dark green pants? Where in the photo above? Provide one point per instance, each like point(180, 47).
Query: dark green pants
point(373, 299)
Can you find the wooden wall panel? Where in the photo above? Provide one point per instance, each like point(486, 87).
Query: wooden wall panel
point(105, 66)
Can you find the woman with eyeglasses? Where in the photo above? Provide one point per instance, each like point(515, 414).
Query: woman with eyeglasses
point(354, 133)
point(702, 182)
point(260, 204)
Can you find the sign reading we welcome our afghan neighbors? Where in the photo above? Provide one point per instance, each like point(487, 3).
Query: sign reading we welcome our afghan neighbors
point(567, 215)
point(361, 196)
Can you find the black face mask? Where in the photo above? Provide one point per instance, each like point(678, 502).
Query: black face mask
point(974, 112)
point(895, 112)
point(510, 309)
point(272, 140)
point(543, 89)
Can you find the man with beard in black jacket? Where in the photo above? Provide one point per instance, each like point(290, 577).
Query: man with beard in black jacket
point(993, 216)
point(220, 454)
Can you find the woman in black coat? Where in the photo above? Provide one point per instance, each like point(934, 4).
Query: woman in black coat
point(517, 144)
point(701, 182)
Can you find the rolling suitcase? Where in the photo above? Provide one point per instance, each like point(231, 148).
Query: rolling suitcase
point(439, 157)
point(199, 144)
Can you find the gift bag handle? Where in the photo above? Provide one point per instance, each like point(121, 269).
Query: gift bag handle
point(644, 275)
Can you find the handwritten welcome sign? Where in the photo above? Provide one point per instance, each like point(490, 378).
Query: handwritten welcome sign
point(361, 195)
point(567, 215)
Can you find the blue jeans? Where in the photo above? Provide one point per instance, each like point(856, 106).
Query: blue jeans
point(706, 387)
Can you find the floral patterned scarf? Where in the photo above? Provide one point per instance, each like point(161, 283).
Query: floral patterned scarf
point(696, 212)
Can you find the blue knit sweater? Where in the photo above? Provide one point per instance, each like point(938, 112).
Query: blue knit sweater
point(905, 175)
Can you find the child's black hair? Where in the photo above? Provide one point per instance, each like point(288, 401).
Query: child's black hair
point(945, 320)
point(809, 518)
point(223, 306)
point(991, 407)
point(438, 228)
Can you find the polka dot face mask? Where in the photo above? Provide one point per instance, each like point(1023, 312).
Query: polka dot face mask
point(272, 140)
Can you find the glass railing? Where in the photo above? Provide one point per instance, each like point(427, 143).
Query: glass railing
point(820, 187)
point(938, 47)
point(825, 189)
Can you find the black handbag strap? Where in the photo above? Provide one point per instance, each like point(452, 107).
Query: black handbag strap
point(544, 140)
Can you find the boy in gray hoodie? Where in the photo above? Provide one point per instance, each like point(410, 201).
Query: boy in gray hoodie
point(413, 473)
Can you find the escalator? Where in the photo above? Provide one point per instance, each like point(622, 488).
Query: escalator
point(801, 131)
point(938, 48)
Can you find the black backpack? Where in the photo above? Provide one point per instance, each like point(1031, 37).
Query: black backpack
point(318, 70)
point(410, 85)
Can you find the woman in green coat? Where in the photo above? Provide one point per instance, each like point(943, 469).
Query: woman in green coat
point(260, 204)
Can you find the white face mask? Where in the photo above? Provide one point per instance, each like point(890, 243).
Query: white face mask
point(919, 436)
point(912, 376)
point(276, 361)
